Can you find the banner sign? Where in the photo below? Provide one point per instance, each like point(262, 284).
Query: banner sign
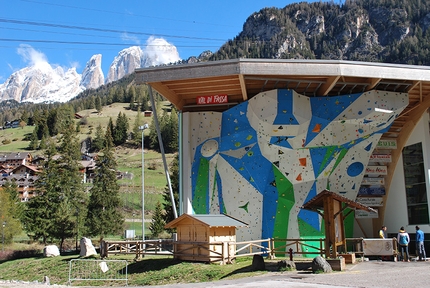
point(370, 201)
point(212, 99)
point(376, 170)
point(373, 181)
point(387, 144)
point(365, 214)
point(371, 191)
point(384, 158)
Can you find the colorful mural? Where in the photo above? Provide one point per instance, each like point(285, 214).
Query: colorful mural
point(262, 159)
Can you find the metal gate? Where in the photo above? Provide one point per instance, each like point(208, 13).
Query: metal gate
point(98, 270)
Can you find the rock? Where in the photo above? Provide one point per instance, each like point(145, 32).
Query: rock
point(51, 251)
point(319, 264)
point(87, 248)
point(287, 264)
point(46, 280)
point(258, 263)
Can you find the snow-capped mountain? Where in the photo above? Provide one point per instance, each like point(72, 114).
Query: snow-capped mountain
point(125, 63)
point(42, 82)
point(92, 76)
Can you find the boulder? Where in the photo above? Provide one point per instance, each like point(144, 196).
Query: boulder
point(87, 248)
point(286, 264)
point(319, 264)
point(258, 263)
point(51, 251)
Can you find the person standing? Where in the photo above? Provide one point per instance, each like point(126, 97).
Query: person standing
point(403, 241)
point(419, 240)
point(382, 232)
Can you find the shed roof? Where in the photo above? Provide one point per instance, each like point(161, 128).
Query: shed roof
point(317, 203)
point(210, 220)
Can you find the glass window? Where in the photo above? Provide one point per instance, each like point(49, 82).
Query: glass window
point(415, 184)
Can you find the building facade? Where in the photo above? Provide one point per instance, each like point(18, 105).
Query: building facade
point(259, 138)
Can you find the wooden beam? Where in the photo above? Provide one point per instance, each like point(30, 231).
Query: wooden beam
point(327, 86)
point(243, 87)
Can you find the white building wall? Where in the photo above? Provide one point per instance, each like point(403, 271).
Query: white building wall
point(396, 214)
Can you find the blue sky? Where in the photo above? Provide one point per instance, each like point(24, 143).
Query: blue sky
point(68, 33)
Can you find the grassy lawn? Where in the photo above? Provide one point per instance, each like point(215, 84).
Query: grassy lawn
point(152, 270)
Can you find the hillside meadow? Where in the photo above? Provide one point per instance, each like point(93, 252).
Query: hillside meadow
point(129, 160)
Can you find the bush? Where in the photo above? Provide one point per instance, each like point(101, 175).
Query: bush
point(6, 141)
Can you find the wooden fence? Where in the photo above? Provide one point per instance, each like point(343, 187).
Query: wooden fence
point(224, 252)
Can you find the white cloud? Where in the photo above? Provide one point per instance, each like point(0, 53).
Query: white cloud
point(129, 38)
point(161, 51)
point(31, 55)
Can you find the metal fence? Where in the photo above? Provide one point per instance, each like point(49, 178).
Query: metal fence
point(98, 270)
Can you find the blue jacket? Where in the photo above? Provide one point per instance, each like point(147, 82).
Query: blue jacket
point(420, 236)
point(403, 238)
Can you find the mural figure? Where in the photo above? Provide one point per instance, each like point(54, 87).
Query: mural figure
point(262, 159)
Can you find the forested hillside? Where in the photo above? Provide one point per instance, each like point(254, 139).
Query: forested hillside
point(390, 31)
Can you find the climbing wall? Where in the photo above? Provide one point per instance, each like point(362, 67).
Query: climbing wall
point(261, 160)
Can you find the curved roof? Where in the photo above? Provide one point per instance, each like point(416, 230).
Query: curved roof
point(242, 79)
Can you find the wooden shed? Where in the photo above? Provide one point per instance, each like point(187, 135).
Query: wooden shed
point(205, 237)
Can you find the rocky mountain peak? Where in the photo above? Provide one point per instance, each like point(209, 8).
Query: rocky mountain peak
point(92, 76)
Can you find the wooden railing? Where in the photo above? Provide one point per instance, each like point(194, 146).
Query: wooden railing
point(147, 247)
point(298, 246)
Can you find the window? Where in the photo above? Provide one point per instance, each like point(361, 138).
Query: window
point(415, 184)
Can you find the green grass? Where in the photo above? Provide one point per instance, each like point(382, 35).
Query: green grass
point(16, 137)
point(152, 270)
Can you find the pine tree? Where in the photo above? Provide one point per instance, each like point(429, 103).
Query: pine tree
point(157, 224)
point(33, 141)
point(40, 209)
point(120, 135)
point(104, 208)
point(137, 136)
point(10, 211)
point(99, 140)
point(72, 203)
point(60, 202)
point(98, 104)
point(174, 181)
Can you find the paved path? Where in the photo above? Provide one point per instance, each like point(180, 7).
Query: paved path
point(362, 275)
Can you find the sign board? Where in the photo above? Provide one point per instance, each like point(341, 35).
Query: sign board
point(376, 170)
point(387, 144)
point(373, 181)
point(370, 201)
point(384, 158)
point(371, 191)
point(212, 99)
point(360, 214)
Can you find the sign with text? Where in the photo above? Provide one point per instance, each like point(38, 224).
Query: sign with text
point(372, 181)
point(212, 99)
point(370, 201)
point(364, 191)
point(365, 214)
point(387, 144)
point(384, 158)
point(376, 170)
